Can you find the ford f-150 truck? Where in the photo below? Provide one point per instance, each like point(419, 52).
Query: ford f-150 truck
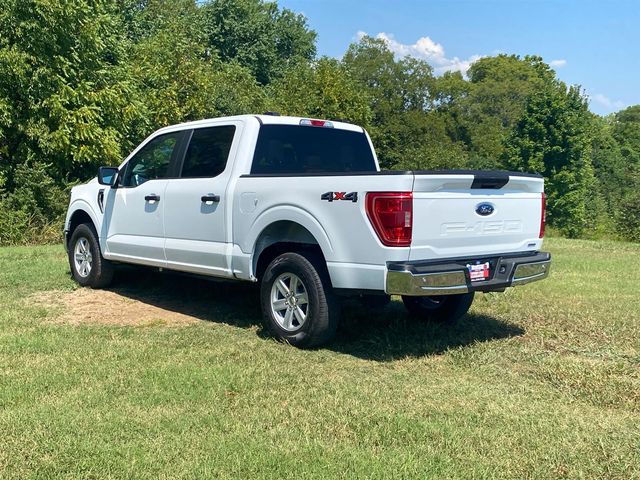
point(301, 206)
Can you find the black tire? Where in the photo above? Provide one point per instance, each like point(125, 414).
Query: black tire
point(101, 271)
point(443, 308)
point(321, 312)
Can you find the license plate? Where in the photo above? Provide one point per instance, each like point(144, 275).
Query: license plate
point(479, 272)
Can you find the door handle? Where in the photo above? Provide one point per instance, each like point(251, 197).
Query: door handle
point(101, 200)
point(152, 197)
point(210, 198)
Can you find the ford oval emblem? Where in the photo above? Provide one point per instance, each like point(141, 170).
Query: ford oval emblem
point(485, 209)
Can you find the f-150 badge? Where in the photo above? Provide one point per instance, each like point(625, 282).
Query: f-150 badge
point(331, 196)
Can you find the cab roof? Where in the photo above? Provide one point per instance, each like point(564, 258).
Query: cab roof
point(264, 119)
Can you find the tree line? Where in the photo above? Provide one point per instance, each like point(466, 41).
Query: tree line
point(82, 82)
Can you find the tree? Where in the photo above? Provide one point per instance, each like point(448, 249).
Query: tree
point(64, 94)
point(553, 137)
point(485, 109)
point(405, 129)
point(258, 35)
point(67, 104)
point(626, 131)
point(610, 172)
point(83, 81)
point(179, 77)
point(322, 89)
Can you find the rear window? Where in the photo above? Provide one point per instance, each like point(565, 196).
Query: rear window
point(283, 149)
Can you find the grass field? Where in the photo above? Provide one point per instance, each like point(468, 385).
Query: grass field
point(540, 382)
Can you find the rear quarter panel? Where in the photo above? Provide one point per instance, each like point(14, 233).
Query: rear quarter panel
point(355, 257)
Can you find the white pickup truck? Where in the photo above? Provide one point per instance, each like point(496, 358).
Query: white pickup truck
point(301, 206)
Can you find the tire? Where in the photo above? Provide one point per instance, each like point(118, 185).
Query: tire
point(289, 281)
point(443, 308)
point(88, 266)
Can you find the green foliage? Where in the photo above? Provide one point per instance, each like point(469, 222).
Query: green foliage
point(63, 93)
point(406, 130)
point(626, 131)
point(258, 35)
point(553, 138)
point(179, 79)
point(82, 82)
point(322, 89)
point(484, 110)
point(33, 212)
point(65, 99)
point(628, 217)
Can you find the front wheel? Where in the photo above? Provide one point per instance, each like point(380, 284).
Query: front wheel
point(442, 308)
point(88, 267)
point(298, 305)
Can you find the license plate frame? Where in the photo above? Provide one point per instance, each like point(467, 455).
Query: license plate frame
point(479, 272)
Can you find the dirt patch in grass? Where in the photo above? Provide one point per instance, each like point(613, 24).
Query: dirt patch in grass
point(86, 306)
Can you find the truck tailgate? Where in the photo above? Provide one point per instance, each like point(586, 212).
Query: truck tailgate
point(475, 213)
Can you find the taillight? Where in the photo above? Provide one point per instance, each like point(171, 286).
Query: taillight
point(391, 215)
point(543, 212)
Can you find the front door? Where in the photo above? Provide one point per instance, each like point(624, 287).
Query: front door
point(196, 208)
point(134, 211)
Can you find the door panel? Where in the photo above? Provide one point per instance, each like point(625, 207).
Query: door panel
point(195, 211)
point(134, 211)
point(135, 226)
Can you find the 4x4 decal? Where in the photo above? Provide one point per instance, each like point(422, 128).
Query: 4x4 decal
point(331, 196)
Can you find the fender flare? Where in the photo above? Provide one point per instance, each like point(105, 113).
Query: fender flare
point(286, 213)
point(84, 206)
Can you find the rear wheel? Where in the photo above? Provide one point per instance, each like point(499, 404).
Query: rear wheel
point(88, 266)
point(442, 308)
point(298, 305)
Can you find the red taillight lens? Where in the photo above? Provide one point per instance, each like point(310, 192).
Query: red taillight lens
point(391, 215)
point(543, 213)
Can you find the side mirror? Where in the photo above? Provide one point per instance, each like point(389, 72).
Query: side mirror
point(107, 176)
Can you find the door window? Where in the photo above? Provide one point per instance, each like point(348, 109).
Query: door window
point(208, 152)
point(152, 161)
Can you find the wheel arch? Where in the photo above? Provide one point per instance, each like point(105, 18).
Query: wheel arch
point(81, 213)
point(280, 237)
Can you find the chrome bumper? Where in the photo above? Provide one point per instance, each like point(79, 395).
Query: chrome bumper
point(449, 277)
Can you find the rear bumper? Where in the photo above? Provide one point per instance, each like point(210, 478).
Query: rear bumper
point(451, 276)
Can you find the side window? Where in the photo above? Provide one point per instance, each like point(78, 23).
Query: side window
point(152, 161)
point(208, 151)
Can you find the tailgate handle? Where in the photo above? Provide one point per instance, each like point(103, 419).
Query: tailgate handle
point(491, 180)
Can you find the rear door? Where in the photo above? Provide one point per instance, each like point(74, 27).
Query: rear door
point(195, 212)
point(133, 213)
point(475, 213)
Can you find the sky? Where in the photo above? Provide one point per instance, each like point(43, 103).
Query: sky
point(594, 44)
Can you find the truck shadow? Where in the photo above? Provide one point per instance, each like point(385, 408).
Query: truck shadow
point(390, 333)
point(232, 303)
point(383, 334)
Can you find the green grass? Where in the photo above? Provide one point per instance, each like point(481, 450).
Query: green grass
point(540, 382)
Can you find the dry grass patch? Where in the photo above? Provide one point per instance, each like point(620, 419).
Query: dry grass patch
point(105, 307)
